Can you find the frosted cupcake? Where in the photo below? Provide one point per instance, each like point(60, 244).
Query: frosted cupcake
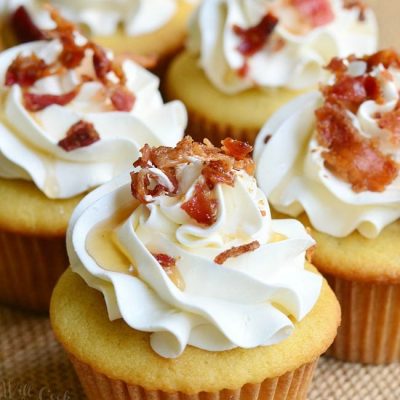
point(335, 156)
point(71, 120)
point(151, 30)
point(187, 285)
point(247, 58)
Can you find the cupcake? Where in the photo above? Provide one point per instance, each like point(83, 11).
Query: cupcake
point(150, 30)
point(182, 285)
point(245, 59)
point(335, 155)
point(71, 120)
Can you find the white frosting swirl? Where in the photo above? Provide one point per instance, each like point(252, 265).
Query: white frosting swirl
point(28, 141)
point(245, 302)
point(103, 17)
point(291, 170)
point(297, 64)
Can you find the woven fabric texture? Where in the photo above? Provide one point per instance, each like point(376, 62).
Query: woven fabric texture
point(34, 366)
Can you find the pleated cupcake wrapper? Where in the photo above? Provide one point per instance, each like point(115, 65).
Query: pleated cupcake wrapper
point(370, 329)
point(29, 268)
point(200, 127)
point(290, 386)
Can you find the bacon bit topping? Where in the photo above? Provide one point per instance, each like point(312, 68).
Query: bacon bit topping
point(23, 27)
point(25, 71)
point(387, 58)
point(236, 251)
point(202, 207)
point(72, 54)
point(390, 121)
point(255, 37)
point(236, 148)
point(337, 66)
point(81, 134)
point(352, 91)
point(36, 102)
point(349, 4)
point(219, 166)
point(316, 12)
point(350, 156)
point(165, 260)
point(101, 63)
point(122, 99)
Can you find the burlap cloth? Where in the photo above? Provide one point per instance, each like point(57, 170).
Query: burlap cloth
point(34, 366)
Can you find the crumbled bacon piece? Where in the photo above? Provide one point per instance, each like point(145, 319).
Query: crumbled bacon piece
point(140, 186)
point(390, 121)
point(218, 171)
point(352, 91)
point(165, 260)
point(337, 66)
point(81, 134)
point(236, 148)
point(387, 58)
point(121, 98)
point(26, 70)
point(316, 12)
point(255, 37)
point(101, 63)
point(23, 27)
point(71, 55)
point(218, 167)
point(201, 206)
point(236, 251)
point(350, 156)
point(349, 4)
point(36, 102)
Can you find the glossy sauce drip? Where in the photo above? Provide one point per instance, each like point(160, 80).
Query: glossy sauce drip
point(102, 244)
point(276, 237)
point(51, 187)
point(176, 277)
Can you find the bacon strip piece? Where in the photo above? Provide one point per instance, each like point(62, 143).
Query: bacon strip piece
point(236, 251)
point(122, 99)
point(349, 4)
point(351, 91)
point(26, 70)
point(165, 260)
point(236, 148)
point(101, 63)
point(218, 167)
point(255, 37)
point(390, 121)
point(23, 27)
point(317, 12)
point(350, 156)
point(201, 206)
point(36, 102)
point(81, 134)
point(386, 57)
